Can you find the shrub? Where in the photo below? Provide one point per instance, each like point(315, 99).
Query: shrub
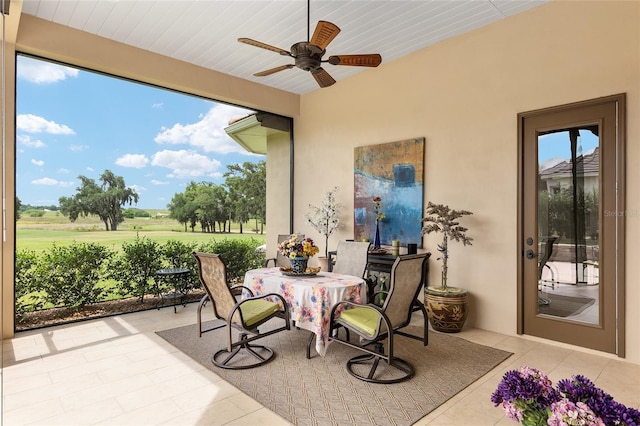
point(70, 274)
point(135, 267)
point(27, 284)
point(133, 212)
point(34, 213)
point(238, 255)
point(177, 254)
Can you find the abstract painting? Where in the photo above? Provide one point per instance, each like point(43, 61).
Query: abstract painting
point(394, 172)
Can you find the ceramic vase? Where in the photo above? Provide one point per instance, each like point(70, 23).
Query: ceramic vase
point(299, 265)
point(376, 244)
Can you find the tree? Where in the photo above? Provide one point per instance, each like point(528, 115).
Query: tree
point(250, 185)
point(18, 206)
point(105, 200)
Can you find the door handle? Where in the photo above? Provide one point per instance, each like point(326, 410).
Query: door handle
point(530, 254)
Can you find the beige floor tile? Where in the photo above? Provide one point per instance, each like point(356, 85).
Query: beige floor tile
point(261, 417)
point(118, 371)
point(85, 415)
point(32, 412)
point(149, 415)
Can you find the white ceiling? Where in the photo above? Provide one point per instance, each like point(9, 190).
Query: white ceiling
point(205, 32)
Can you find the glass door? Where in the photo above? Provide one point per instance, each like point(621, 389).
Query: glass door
point(571, 225)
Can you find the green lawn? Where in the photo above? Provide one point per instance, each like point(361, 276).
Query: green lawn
point(40, 233)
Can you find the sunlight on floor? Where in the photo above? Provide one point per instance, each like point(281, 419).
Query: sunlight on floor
point(117, 371)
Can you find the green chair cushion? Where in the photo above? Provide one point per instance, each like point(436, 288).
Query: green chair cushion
point(254, 311)
point(363, 319)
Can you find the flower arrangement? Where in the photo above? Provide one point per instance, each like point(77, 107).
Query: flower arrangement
point(442, 219)
point(527, 396)
point(298, 247)
point(325, 219)
point(377, 206)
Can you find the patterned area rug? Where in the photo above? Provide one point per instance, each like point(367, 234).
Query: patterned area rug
point(319, 391)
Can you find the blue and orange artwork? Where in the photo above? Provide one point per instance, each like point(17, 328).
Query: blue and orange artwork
point(394, 172)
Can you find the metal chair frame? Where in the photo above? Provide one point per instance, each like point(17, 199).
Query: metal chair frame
point(389, 327)
point(227, 308)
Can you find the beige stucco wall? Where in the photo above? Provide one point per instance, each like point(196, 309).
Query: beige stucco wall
point(278, 147)
point(463, 96)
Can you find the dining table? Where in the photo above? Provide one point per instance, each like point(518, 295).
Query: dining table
point(310, 297)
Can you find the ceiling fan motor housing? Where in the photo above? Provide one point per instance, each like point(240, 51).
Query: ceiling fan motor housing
point(308, 56)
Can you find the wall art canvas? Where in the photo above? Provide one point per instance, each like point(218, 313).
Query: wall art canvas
point(394, 172)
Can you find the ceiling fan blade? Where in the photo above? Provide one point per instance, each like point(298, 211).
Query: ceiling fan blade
point(372, 60)
point(264, 46)
point(324, 33)
point(322, 77)
point(274, 70)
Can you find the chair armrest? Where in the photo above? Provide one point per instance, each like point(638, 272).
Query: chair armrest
point(266, 262)
point(237, 290)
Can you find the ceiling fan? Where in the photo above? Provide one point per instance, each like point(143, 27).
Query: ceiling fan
point(308, 54)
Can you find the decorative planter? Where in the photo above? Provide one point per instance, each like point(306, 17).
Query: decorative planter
point(447, 309)
point(323, 262)
point(299, 265)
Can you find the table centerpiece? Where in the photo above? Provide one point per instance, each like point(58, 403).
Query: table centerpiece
point(298, 250)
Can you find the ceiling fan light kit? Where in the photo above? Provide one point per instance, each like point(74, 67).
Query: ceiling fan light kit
point(308, 55)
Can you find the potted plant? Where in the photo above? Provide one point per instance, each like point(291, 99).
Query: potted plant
point(325, 219)
point(298, 250)
point(446, 305)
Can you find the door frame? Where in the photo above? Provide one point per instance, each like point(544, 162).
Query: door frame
point(620, 102)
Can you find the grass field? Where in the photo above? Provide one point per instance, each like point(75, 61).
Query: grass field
point(40, 233)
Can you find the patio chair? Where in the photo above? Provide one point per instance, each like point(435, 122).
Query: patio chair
point(281, 260)
point(351, 258)
point(374, 324)
point(246, 316)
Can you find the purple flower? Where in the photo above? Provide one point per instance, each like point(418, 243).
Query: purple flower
point(527, 396)
point(581, 389)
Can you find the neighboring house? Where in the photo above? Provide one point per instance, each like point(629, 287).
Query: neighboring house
point(587, 169)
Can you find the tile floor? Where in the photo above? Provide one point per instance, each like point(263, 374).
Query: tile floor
point(118, 371)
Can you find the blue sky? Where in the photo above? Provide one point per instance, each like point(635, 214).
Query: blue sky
point(554, 147)
point(72, 122)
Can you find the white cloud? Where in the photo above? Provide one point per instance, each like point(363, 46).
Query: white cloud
point(51, 182)
point(207, 134)
point(37, 162)
point(157, 106)
point(138, 188)
point(186, 164)
point(137, 161)
point(31, 143)
point(35, 124)
point(90, 169)
point(64, 171)
point(42, 72)
point(157, 182)
point(77, 148)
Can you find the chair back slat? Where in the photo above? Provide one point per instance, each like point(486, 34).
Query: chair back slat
point(407, 278)
point(213, 276)
point(351, 258)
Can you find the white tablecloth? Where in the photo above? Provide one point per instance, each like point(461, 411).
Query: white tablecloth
point(310, 299)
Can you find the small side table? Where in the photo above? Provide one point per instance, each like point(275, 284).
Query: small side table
point(175, 276)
